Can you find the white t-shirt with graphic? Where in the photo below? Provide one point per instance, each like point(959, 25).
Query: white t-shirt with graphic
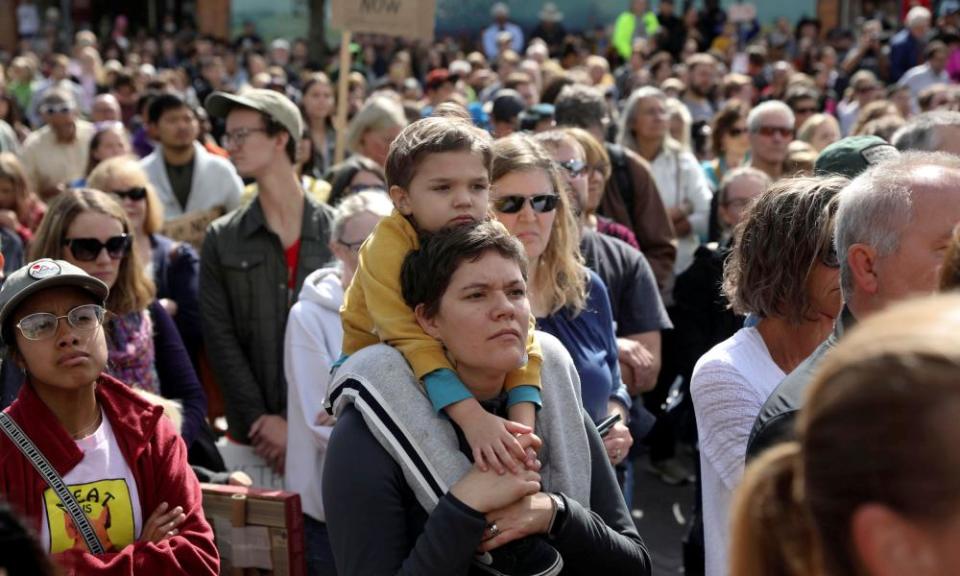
point(104, 486)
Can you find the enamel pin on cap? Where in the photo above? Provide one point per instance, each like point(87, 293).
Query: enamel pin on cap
point(44, 269)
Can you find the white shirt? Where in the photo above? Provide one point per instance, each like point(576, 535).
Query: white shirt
point(107, 491)
point(729, 386)
point(921, 77)
point(680, 178)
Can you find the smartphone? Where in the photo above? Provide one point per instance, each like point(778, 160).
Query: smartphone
point(606, 424)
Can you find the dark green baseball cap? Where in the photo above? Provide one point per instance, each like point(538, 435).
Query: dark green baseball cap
point(40, 275)
point(853, 155)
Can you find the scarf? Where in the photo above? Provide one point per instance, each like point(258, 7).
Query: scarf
point(130, 351)
point(381, 386)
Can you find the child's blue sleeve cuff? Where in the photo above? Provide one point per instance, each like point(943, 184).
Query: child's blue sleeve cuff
point(339, 362)
point(524, 394)
point(444, 388)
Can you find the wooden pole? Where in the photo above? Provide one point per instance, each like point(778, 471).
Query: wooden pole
point(342, 85)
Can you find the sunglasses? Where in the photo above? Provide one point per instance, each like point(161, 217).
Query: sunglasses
point(49, 109)
point(809, 110)
point(88, 249)
point(830, 258)
point(735, 132)
point(576, 168)
point(512, 204)
point(769, 131)
point(136, 193)
point(43, 325)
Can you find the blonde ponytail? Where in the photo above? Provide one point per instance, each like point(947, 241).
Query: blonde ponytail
point(773, 533)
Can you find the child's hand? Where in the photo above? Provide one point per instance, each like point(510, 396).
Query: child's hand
point(494, 443)
point(8, 219)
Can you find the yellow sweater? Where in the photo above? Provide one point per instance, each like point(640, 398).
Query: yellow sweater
point(374, 310)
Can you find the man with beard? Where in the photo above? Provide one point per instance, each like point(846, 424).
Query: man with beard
point(702, 70)
point(186, 177)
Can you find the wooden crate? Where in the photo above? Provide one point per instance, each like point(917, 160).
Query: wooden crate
point(258, 532)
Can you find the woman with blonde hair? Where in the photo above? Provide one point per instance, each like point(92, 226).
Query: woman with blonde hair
point(173, 266)
point(784, 271)
point(820, 131)
point(21, 211)
point(569, 301)
point(598, 172)
point(92, 231)
point(872, 485)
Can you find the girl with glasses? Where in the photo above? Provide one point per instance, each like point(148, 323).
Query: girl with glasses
point(115, 452)
point(530, 198)
point(90, 230)
point(173, 266)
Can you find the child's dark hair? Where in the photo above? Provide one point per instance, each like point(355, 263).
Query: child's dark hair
point(433, 135)
point(426, 272)
point(20, 553)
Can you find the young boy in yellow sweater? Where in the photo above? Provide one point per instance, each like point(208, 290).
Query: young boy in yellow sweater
point(438, 175)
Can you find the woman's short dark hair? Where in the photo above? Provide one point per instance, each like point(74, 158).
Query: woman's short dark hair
point(786, 233)
point(340, 175)
point(427, 272)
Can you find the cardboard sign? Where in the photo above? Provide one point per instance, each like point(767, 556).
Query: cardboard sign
point(409, 18)
point(242, 458)
point(192, 227)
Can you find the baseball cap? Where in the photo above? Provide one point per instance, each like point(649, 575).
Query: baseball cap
point(270, 102)
point(852, 155)
point(439, 77)
point(507, 105)
point(40, 275)
point(280, 44)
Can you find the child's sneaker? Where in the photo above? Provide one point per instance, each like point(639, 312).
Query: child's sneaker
point(529, 556)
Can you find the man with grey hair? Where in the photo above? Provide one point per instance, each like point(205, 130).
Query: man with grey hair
point(930, 132)
point(770, 126)
point(57, 153)
point(893, 225)
point(631, 196)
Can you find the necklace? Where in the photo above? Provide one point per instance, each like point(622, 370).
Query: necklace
point(83, 432)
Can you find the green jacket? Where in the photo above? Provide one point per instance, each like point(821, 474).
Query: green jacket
point(624, 28)
point(244, 302)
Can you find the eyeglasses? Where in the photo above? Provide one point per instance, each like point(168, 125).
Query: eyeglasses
point(351, 246)
point(354, 188)
point(769, 131)
point(136, 193)
point(237, 137)
point(829, 258)
point(576, 168)
point(49, 109)
point(43, 325)
point(512, 204)
point(88, 249)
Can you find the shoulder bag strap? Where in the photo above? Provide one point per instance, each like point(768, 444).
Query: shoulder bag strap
point(53, 480)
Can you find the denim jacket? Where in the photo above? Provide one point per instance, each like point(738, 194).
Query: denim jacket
point(244, 302)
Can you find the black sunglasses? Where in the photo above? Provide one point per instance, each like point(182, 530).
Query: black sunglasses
point(512, 204)
point(136, 193)
point(88, 249)
point(575, 168)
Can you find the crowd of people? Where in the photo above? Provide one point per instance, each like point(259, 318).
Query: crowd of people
point(546, 257)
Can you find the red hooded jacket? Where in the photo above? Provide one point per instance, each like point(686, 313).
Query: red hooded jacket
point(158, 458)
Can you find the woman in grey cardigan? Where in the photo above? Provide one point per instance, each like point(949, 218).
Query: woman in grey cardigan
point(400, 493)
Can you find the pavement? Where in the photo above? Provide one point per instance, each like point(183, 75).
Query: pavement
point(662, 515)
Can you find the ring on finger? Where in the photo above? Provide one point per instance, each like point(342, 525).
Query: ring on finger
point(493, 529)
